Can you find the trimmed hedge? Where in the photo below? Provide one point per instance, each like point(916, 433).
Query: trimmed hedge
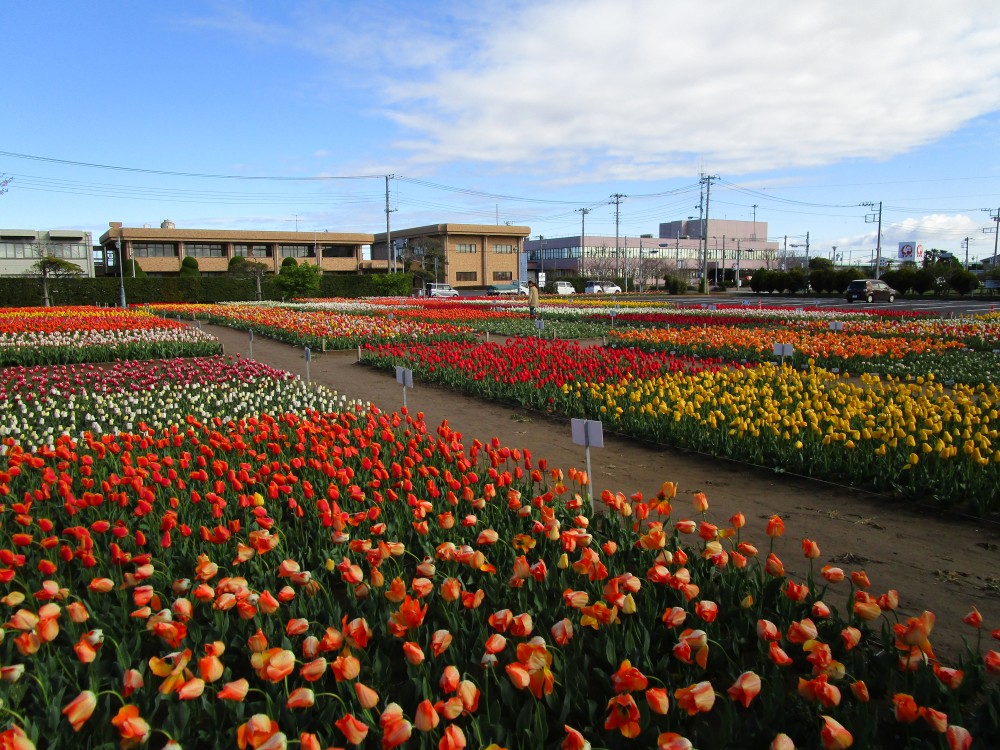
point(23, 291)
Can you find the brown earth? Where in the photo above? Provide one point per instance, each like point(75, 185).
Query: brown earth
point(943, 563)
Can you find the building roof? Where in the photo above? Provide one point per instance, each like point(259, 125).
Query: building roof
point(436, 229)
point(157, 234)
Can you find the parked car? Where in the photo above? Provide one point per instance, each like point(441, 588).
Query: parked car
point(602, 287)
point(507, 289)
point(564, 287)
point(870, 290)
point(441, 290)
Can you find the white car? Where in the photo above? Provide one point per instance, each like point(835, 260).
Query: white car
point(564, 287)
point(602, 287)
point(441, 290)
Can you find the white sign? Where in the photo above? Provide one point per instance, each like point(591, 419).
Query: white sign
point(587, 432)
point(911, 251)
point(404, 376)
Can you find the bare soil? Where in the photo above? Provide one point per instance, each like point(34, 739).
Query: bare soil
point(941, 562)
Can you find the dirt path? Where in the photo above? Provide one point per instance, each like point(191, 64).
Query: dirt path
point(939, 563)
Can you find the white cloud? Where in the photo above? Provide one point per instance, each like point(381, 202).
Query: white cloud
point(625, 89)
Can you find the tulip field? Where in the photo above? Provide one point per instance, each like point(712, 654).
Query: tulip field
point(198, 551)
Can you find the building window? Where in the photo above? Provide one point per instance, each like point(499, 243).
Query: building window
point(503, 276)
point(503, 249)
point(154, 250)
point(295, 251)
point(465, 247)
point(337, 252)
point(465, 276)
point(204, 250)
point(15, 250)
point(252, 251)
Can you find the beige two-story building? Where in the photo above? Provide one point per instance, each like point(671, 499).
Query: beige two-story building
point(159, 251)
point(470, 255)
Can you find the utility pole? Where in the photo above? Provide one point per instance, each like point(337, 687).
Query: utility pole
point(707, 180)
point(995, 231)
point(966, 243)
point(784, 255)
point(617, 200)
point(753, 234)
point(389, 249)
point(870, 218)
point(583, 234)
point(121, 269)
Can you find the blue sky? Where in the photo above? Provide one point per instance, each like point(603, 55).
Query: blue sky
point(519, 112)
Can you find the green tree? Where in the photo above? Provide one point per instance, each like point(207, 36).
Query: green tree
point(296, 280)
point(242, 268)
point(51, 267)
point(189, 267)
point(424, 257)
point(963, 281)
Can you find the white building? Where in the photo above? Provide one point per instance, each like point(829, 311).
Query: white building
point(20, 249)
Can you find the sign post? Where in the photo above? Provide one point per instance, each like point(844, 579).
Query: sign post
point(783, 350)
point(588, 432)
point(404, 376)
point(251, 343)
point(308, 358)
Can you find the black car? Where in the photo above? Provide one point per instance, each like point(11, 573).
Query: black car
point(870, 290)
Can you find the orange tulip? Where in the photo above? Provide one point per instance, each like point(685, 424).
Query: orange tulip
point(562, 633)
point(367, 697)
point(695, 698)
point(992, 661)
point(191, 689)
point(860, 690)
point(80, 709)
point(973, 619)
point(958, 738)
point(453, 738)
point(905, 708)
point(426, 718)
point(274, 665)
point(834, 736)
point(440, 642)
point(775, 526)
point(810, 549)
point(258, 731)
point(413, 653)
point(131, 681)
point(745, 689)
point(345, 667)
point(468, 693)
point(450, 678)
point(234, 691)
point(355, 731)
point(395, 728)
point(574, 740)
point(773, 566)
point(623, 715)
point(782, 742)
point(658, 700)
point(672, 741)
point(134, 730)
point(628, 678)
point(778, 655)
point(937, 720)
point(301, 698)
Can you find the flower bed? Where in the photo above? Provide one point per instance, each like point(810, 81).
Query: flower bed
point(917, 438)
point(358, 578)
point(64, 335)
